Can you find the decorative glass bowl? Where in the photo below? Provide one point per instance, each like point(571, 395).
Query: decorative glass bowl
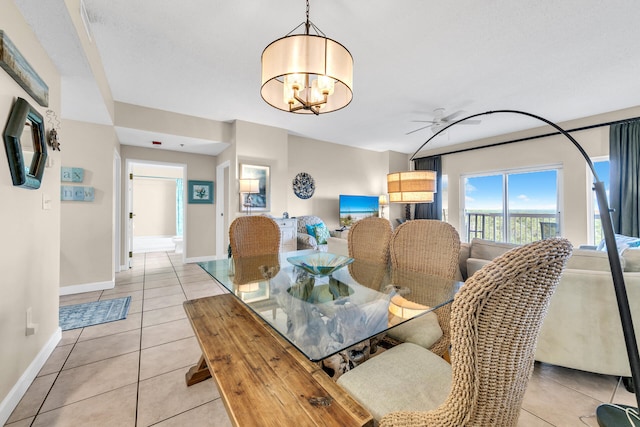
point(320, 263)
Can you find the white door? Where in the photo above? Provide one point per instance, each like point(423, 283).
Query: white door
point(129, 214)
point(117, 206)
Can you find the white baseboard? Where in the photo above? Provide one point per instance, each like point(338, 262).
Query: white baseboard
point(200, 259)
point(16, 393)
point(87, 287)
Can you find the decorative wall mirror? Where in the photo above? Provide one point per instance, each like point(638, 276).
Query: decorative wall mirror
point(25, 145)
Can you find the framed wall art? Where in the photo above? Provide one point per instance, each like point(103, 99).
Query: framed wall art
point(261, 200)
point(17, 67)
point(201, 192)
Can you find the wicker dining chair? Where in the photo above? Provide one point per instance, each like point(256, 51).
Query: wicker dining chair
point(368, 243)
point(254, 235)
point(369, 238)
point(431, 247)
point(495, 323)
point(255, 246)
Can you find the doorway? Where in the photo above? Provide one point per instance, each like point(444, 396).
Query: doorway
point(156, 207)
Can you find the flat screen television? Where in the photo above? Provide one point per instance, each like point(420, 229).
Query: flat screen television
point(354, 208)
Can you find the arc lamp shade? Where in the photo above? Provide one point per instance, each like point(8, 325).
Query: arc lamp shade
point(411, 187)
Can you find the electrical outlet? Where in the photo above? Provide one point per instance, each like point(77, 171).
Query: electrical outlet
point(32, 328)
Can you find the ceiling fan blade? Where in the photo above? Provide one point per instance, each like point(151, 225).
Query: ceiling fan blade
point(416, 130)
point(437, 127)
point(423, 121)
point(452, 116)
point(470, 122)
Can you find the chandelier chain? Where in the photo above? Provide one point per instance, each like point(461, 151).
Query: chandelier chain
point(307, 23)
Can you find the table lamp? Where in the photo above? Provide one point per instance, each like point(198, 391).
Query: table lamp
point(382, 201)
point(248, 187)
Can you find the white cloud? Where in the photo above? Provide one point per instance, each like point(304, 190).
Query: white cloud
point(469, 188)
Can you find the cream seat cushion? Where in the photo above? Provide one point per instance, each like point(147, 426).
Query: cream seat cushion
point(423, 331)
point(406, 377)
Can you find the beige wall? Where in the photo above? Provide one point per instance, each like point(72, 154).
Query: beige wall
point(150, 119)
point(87, 241)
point(29, 258)
point(336, 169)
point(263, 146)
point(199, 229)
point(154, 201)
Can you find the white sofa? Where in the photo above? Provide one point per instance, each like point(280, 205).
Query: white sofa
point(338, 245)
point(582, 328)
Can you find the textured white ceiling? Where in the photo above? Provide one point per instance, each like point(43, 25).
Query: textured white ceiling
point(559, 59)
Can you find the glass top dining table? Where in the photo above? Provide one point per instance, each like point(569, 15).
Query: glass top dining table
point(322, 312)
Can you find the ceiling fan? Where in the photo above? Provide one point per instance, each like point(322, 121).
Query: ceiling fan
point(440, 120)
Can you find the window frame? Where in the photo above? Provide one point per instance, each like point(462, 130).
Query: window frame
point(558, 167)
point(591, 199)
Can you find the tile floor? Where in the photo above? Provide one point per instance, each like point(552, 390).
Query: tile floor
point(131, 372)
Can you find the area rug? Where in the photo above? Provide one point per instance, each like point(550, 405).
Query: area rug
point(93, 313)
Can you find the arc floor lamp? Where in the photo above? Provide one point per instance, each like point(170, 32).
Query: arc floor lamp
point(608, 415)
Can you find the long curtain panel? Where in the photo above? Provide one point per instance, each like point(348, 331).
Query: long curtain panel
point(624, 160)
point(430, 210)
point(179, 205)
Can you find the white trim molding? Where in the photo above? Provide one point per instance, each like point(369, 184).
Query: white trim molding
point(16, 393)
point(87, 287)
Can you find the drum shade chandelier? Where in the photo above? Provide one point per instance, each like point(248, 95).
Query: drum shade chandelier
point(307, 73)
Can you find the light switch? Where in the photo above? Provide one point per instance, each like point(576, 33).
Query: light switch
point(46, 202)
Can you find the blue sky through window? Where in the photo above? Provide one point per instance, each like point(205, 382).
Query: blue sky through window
point(602, 169)
point(528, 191)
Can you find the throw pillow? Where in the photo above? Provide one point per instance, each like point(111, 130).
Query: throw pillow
point(319, 231)
point(322, 234)
point(311, 230)
point(622, 242)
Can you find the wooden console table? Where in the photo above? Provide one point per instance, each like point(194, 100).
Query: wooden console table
point(263, 380)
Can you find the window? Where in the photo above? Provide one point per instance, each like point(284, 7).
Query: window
point(601, 166)
point(445, 197)
point(512, 206)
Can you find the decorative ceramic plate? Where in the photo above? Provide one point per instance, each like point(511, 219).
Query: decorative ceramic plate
point(320, 263)
point(304, 185)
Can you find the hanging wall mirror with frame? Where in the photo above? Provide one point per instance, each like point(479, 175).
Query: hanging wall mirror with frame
point(25, 145)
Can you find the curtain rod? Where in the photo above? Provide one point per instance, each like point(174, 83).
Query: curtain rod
point(497, 144)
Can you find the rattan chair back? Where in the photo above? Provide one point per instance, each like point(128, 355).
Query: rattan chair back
point(254, 235)
point(432, 247)
point(369, 239)
point(426, 245)
point(368, 243)
point(495, 323)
